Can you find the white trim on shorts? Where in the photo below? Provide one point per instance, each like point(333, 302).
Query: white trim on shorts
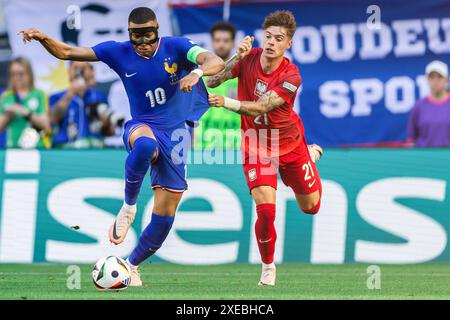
point(168, 189)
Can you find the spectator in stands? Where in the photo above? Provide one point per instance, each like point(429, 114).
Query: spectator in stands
point(80, 115)
point(429, 120)
point(23, 109)
point(219, 119)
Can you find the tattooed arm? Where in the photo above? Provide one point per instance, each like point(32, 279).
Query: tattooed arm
point(224, 75)
point(243, 50)
point(268, 101)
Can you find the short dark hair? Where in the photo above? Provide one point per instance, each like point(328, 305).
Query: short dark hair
point(281, 18)
point(141, 15)
point(223, 26)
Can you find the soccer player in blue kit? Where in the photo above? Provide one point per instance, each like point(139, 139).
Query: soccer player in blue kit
point(158, 75)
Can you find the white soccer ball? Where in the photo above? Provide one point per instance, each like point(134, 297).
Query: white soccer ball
point(111, 273)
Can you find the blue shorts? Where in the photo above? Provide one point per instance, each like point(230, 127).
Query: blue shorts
point(168, 170)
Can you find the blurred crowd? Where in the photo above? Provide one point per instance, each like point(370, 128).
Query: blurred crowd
point(80, 116)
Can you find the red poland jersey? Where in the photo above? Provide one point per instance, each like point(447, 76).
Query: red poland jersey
point(253, 83)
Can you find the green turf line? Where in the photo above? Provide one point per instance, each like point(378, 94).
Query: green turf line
point(235, 282)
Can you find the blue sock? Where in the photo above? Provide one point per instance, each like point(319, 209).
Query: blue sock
point(136, 166)
point(151, 238)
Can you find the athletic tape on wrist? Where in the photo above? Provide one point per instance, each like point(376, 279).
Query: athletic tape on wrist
point(198, 72)
point(232, 104)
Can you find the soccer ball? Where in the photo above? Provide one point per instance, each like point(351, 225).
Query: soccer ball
point(111, 273)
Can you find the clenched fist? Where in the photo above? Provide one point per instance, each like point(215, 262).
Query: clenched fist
point(244, 47)
point(215, 100)
point(188, 82)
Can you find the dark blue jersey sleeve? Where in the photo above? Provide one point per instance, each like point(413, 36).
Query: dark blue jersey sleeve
point(188, 50)
point(106, 52)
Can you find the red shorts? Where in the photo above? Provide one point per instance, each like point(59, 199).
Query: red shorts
point(297, 170)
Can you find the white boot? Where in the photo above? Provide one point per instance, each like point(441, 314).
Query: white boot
point(119, 229)
point(135, 280)
point(268, 275)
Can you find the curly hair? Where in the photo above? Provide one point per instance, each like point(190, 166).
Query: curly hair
point(281, 18)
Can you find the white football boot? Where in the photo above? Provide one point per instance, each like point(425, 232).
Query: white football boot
point(268, 276)
point(119, 229)
point(135, 277)
point(315, 151)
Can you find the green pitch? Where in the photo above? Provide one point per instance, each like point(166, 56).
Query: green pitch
point(237, 281)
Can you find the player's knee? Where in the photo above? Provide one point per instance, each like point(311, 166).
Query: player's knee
point(145, 147)
point(266, 212)
point(311, 208)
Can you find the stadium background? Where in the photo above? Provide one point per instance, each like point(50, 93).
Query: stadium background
point(379, 205)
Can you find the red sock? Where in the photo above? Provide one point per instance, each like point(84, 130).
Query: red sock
point(266, 234)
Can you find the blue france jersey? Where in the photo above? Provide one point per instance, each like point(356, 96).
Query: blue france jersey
point(152, 83)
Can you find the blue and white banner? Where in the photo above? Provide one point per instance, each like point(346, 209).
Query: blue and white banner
point(362, 63)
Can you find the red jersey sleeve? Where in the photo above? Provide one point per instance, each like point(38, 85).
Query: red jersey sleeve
point(288, 85)
point(236, 71)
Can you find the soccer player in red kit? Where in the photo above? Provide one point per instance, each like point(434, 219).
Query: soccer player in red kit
point(273, 135)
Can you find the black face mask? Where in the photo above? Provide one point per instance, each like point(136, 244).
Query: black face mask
point(141, 32)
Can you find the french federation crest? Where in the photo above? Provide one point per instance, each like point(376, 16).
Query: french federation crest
point(171, 69)
point(260, 87)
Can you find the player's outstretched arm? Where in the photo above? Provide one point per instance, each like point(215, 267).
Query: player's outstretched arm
point(57, 48)
point(243, 49)
point(268, 101)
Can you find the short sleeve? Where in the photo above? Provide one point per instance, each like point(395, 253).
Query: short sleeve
point(412, 128)
point(106, 52)
point(236, 70)
point(188, 49)
point(288, 85)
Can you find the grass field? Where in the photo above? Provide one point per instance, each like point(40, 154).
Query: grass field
point(237, 281)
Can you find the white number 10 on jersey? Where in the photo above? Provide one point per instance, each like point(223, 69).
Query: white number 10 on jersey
point(156, 97)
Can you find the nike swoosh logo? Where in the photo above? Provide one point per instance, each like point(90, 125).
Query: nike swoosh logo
point(115, 236)
point(129, 75)
point(135, 181)
point(264, 241)
point(312, 183)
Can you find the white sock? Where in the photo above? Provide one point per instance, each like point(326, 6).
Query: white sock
point(268, 266)
point(128, 207)
point(129, 263)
